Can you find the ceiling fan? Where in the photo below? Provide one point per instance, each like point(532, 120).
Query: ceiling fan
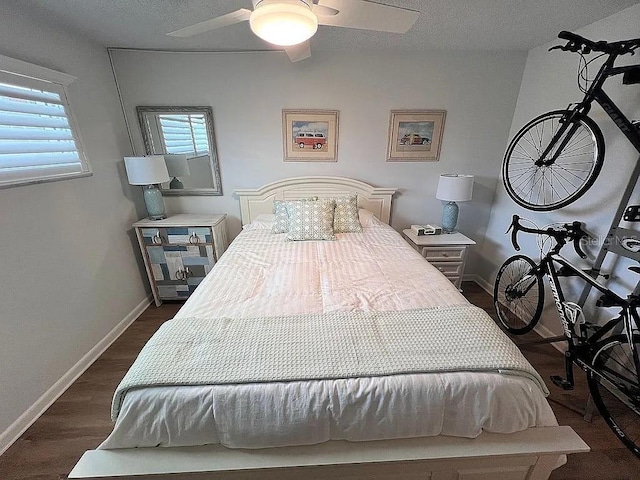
point(291, 23)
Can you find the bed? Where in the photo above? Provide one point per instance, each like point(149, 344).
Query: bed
point(508, 432)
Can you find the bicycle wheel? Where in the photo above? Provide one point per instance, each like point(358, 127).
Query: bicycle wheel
point(518, 295)
point(549, 187)
point(615, 389)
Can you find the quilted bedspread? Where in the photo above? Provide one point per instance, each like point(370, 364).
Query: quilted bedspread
point(218, 351)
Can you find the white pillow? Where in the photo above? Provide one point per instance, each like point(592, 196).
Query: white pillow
point(368, 219)
point(264, 221)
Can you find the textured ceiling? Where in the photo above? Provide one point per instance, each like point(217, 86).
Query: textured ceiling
point(443, 24)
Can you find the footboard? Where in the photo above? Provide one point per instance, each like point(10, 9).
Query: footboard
point(528, 455)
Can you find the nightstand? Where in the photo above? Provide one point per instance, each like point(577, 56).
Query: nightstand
point(179, 251)
point(446, 252)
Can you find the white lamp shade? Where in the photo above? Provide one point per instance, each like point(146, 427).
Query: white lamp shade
point(455, 188)
point(177, 165)
point(283, 24)
point(146, 170)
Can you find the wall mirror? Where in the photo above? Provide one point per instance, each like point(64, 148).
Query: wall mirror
point(186, 136)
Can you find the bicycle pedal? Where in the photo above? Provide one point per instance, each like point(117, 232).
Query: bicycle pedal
point(561, 382)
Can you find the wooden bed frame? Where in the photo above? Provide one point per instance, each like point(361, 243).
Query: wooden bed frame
point(528, 455)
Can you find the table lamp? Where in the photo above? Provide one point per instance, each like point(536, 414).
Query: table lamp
point(178, 167)
point(149, 171)
point(453, 188)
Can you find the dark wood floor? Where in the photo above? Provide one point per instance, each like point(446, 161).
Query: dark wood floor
point(79, 419)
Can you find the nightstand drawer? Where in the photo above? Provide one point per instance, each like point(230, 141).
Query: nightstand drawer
point(446, 252)
point(449, 269)
point(443, 254)
point(177, 236)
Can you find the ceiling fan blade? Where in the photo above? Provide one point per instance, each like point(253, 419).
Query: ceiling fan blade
point(323, 10)
point(299, 52)
point(368, 16)
point(232, 18)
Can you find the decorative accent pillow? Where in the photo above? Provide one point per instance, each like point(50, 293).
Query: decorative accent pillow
point(311, 220)
point(282, 217)
point(345, 218)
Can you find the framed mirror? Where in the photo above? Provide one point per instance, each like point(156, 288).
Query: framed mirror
point(186, 137)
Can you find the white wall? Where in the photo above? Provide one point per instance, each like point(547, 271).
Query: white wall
point(249, 90)
point(69, 272)
point(549, 83)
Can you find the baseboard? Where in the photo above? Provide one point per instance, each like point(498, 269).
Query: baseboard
point(540, 329)
point(17, 428)
point(482, 283)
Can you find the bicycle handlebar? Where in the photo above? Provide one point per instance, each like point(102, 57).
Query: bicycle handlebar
point(569, 231)
point(577, 43)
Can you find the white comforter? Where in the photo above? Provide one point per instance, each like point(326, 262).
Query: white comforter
point(261, 275)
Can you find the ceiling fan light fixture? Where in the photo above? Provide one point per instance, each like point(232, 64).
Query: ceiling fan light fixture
point(284, 24)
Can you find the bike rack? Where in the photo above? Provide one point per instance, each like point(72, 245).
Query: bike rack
point(614, 242)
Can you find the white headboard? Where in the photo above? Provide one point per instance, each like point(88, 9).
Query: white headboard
point(260, 200)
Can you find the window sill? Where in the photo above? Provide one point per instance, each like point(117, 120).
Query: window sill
point(34, 181)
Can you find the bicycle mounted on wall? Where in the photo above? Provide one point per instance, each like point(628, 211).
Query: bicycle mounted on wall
point(555, 158)
point(609, 354)
point(551, 162)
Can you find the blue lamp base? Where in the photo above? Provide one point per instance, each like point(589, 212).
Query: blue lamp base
point(154, 202)
point(449, 217)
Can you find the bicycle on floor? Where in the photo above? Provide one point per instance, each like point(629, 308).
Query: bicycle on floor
point(609, 354)
point(555, 158)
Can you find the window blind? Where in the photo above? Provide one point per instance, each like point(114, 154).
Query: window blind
point(185, 134)
point(36, 138)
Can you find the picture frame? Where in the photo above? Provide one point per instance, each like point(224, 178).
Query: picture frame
point(415, 135)
point(310, 135)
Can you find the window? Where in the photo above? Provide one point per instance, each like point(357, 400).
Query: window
point(186, 134)
point(38, 138)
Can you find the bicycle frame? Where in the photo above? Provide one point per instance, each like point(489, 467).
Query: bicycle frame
point(548, 266)
point(580, 344)
point(607, 353)
point(594, 93)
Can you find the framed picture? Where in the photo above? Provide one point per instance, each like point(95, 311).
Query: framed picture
point(415, 135)
point(310, 135)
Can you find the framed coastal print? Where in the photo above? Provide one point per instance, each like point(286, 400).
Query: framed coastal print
point(415, 135)
point(310, 135)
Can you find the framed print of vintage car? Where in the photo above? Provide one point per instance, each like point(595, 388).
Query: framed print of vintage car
point(310, 135)
point(415, 135)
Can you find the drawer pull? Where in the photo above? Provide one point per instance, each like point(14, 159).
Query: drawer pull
point(445, 254)
point(441, 269)
point(194, 239)
point(156, 239)
point(183, 274)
